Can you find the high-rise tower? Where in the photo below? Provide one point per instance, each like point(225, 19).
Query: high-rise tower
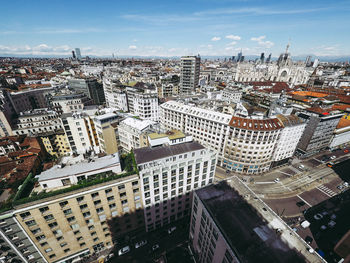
point(190, 67)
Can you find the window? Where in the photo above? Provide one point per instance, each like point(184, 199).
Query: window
point(94, 195)
point(79, 199)
point(44, 209)
point(63, 204)
point(67, 211)
point(99, 210)
point(120, 187)
point(25, 215)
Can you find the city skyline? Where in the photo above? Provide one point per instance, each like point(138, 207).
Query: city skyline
point(210, 28)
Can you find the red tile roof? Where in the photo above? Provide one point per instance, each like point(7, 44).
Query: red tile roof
point(255, 125)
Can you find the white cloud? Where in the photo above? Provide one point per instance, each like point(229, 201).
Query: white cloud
point(215, 38)
point(232, 43)
point(261, 42)
point(233, 37)
point(132, 47)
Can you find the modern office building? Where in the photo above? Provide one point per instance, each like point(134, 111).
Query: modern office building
point(229, 223)
point(168, 174)
point(189, 77)
point(320, 126)
point(91, 87)
point(77, 52)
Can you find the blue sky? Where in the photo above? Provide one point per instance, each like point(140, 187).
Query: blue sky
point(167, 28)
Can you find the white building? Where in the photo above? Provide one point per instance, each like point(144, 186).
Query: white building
point(244, 144)
point(81, 132)
point(68, 103)
point(189, 77)
point(59, 176)
point(37, 122)
point(168, 174)
point(231, 95)
point(289, 137)
point(133, 133)
point(141, 102)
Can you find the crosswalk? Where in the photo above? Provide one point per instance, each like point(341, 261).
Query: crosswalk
point(324, 189)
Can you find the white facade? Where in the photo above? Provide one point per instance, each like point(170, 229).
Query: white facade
point(37, 122)
point(289, 137)
point(244, 145)
point(130, 133)
point(167, 180)
point(81, 133)
point(59, 176)
point(231, 95)
point(340, 137)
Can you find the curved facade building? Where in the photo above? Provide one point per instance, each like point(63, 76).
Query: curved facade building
point(244, 144)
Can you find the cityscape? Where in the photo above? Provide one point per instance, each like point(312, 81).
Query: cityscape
point(190, 131)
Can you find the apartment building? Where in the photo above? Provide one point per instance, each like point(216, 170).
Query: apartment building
point(320, 126)
point(232, 95)
point(229, 225)
point(69, 103)
point(80, 131)
point(168, 174)
point(15, 244)
point(56, 143)
point(244, 144)
point(189, 77)
point(74, 225)
point(107, 132)
point(133, 133)
point(37, 121)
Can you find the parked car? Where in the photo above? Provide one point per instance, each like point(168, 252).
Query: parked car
point(123, 250)
point(346, 184)
point(333, 157)
point(323, 227)
point(318, 216)
point(172, 229)
point(141, 243)
point(155, 247)
point(340, 187)
point(276, 180)
point(346, 151)
point(331, 224)
point(301, 167)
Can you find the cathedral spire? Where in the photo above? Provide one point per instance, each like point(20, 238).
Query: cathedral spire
point(288, 45)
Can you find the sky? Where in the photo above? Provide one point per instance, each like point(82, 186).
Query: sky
point(175, 28)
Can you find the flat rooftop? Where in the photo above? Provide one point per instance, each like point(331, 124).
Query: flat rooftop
point(148, 154)
point(172, 135)
point(251, 228)
point(82, 167)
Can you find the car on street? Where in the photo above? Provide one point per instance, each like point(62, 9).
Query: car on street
point(228, 171)
point(301, 167)
point(333, 157)
point(331, 224)
point(295, 229)
point(340, 187)
point(323, 227)
point(123, 250)
point(346, 151)
point(318, 216)
point(346, 184)
point(276, 180)
point(141, 243)
point(300, 203)
point(155, 247)
point(171, 230)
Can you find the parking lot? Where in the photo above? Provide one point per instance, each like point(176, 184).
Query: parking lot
point(160, 244)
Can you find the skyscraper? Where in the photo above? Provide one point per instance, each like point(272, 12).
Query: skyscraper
point(239, 56)
point(73, 54)
point(262, 57)
point(190, 67)
point(77, 51)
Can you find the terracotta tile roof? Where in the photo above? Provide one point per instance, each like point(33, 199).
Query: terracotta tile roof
point(343, 123)
point(255, 125)
point(309, 94)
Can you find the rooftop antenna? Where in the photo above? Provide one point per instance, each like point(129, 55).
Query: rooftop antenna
point(288, 45)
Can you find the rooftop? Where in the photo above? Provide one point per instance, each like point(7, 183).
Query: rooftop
point(137, 124)
point(255, 125)
point(148, 154)
point(94, 164)
point(255, 233)
point(172, 135)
